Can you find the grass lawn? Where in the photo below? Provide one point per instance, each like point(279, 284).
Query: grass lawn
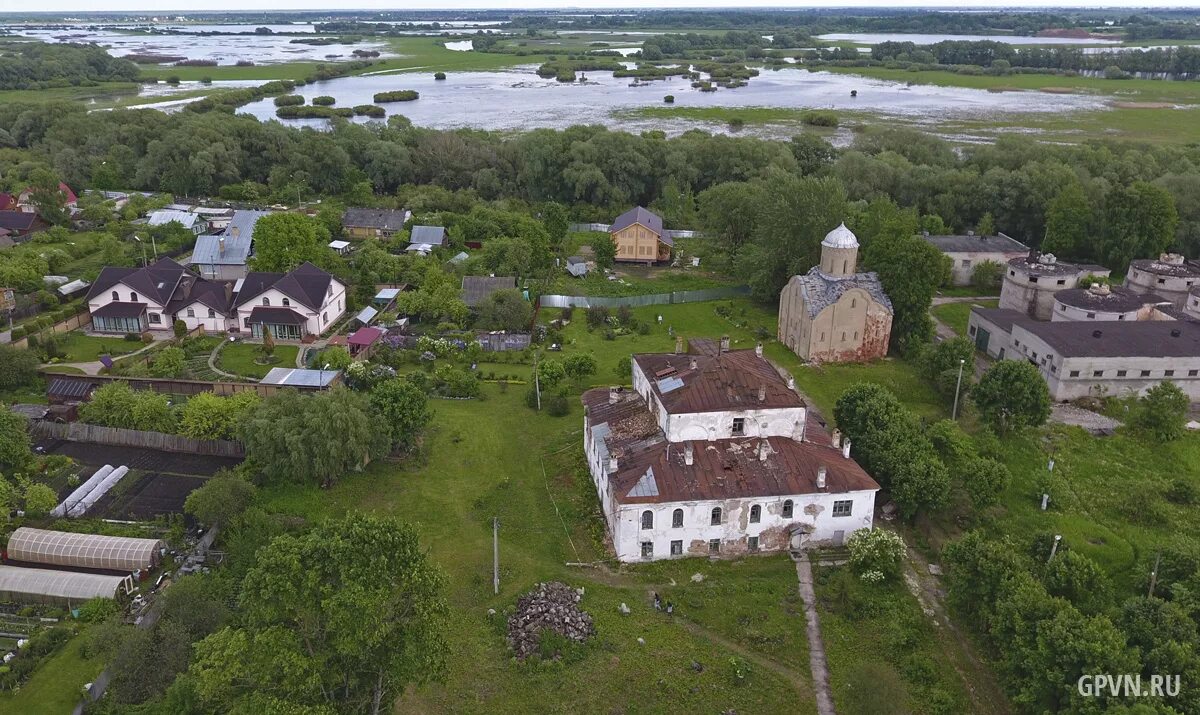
point(64, 370)
point(957, 315)
point(484, 459)
point(56, 685)
point(78, 347)
point(884, 655)
point(239, 358)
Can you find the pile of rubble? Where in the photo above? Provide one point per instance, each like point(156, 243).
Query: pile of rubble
point(550, 606)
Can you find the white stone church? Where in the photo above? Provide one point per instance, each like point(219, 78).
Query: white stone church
point(713, 452)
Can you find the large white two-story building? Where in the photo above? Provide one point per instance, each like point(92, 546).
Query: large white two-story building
point(714, 452)
point(293, 306)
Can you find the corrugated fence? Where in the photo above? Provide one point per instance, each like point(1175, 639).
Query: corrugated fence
point(634, 301)
point(603, 228)
point(117, 437)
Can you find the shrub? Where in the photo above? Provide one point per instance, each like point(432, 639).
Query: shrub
point(324, 101)
point(557, 405)
point(173, 79)
point(313, 112)
point(819, 118)
point(289, 100)
point(875, 551)
point(132, 337)
point(18, 333)
point(736, 124)
point(1162, 412)
point(399, 95)
point(369, 110)
point(1182, 491)
point(439, 75)
point(669, 99)
point(180, 328)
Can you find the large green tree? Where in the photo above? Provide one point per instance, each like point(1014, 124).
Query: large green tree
point(1069, 223)
point(340, 619)
point(117, 405)
point(504, 310)
point(14, 441)
point(1011, 396)
point(1139, 222)
point(1162, 412)
point(282, 241)
point(210, 416)
point(403, 409)
point(729, 212)
point(220, 500)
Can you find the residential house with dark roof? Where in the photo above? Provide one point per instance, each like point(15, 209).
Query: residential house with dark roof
point(20, 225)
point(431, 236)
point(968, 251)
point(833, 313)
point(373, 223)
point(225, 256)
point(639, 236)
point(476, 288)
point(291, 305)
point(714, 453)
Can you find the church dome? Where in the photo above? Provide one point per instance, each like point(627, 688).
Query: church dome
point(840, 237)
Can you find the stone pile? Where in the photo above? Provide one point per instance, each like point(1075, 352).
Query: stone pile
point(552, 606)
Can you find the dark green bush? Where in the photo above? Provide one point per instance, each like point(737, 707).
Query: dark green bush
point(324, 101)
point(398, 95)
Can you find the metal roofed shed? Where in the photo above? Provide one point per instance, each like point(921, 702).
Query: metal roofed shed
point(476, 288)
point(299, 377)
point(367, 315)
point(163, 217)
point(75, 286)
point(70, 588)
point(94, 551)
point(430, 235)
point(386, 295)
point(340, 247)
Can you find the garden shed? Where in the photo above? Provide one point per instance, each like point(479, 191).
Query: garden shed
point(93, 551)
point(22, 585)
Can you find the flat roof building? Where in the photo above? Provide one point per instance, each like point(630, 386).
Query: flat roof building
point(968, 251)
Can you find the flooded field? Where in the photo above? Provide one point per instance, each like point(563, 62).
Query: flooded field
point(519, 99)
point(870, 38)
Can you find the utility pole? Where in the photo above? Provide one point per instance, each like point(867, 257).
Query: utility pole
point(495, 555)
point(537, 385)
point(957, 387)
point(1154, 575)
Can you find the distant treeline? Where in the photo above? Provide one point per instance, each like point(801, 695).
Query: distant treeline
point(1184, 59)
point(34, 65)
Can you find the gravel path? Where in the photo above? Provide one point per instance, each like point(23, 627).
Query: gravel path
point(816, 647)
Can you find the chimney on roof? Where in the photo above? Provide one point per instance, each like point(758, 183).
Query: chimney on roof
point(970, 233)
point(758, 349)
point(712, 434)
point(820, 477)
point(221, 245)
point(1097, 333)
point(837, 438)
point(1175, 333)
point(762, 450)
point(846, 449)
point(762, 393)
point(612, 464)
point(692, 364)
point(791, 383)
point(798, 428)
point(614, 395)
point(678, 344)
point(724, 343)
point(689, 455)
point(235, 231)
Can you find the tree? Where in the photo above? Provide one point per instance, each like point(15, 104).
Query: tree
point(335, 356)
point(556, 221)
point(579, 366)
point(169, 362)
point(116, 405)
point(1011, 396)
point(268, 342)
point(987, 276)
point(353, 612)
point(220, 500)
point(911, 270)
point(986, 226)
point(1139, 222)
point(47, 196)
point(985, 480)
point(210, 416)
point(875, 554)
point(624, 368)
point(404, 410)
point(1162, 412)
point(865, 407)
point(311, 439)
point(1080, 580)
point(39, 499)
point(20, 367)
point(282, 241)
point(976, 570)
point(550, 373)
point(147, 660)
point(1068, 223)
point(14, 441)
point(505, 310)
point(605, 251)
point(729, 212)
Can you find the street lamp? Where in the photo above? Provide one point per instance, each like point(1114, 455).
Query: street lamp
point(323, 369)
point(957, 387)
point(143, 250)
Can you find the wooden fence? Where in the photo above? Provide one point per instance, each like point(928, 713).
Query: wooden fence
point(117, 437)
point(180, 387)
point(75, 322)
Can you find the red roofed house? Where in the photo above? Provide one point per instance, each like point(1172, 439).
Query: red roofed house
point(7, 202)
point(714, 452)
point(25, 198)
point(363, 340)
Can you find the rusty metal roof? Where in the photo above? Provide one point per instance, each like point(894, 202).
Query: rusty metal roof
point(733, 380)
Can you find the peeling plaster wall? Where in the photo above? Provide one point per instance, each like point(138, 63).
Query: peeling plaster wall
point(759, 423)
point(814, 510)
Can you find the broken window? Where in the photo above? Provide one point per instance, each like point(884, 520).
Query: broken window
point(739, 426)
point(677, 519)
point(677, 548)
point(647, 519)
point(843, 508)
point(755, 514)
point(787, 508)
point(752, 543)
point(647, 549)
point(714, 546)
point(716, 516)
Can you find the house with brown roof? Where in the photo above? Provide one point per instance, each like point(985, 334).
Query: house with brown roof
point(20, 225)
point(639, 236)
point(713, 452)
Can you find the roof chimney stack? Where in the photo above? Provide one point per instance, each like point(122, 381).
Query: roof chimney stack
point(712, 434)
point(724, 343)
point(692, 364)
point(820, 477)
point(762, 393)
point(678, 344)
point(846, 449)
point(612, 464)
point(758, 349)
point(791, 383)
point(221, 245)
point(837, 438)
point(614, 395)
point(689, 455)
point(762, 450)
point(799, 426)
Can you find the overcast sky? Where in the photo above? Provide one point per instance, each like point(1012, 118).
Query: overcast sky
point(183, 6)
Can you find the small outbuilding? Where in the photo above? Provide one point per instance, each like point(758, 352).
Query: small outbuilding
point(300, 377)
point(577, 266)
point(363, 340)
point(340, 247)
point(476, 288)
point(432, 236)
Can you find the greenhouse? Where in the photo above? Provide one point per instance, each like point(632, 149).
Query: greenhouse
point(68, 588)
point(93, 551)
